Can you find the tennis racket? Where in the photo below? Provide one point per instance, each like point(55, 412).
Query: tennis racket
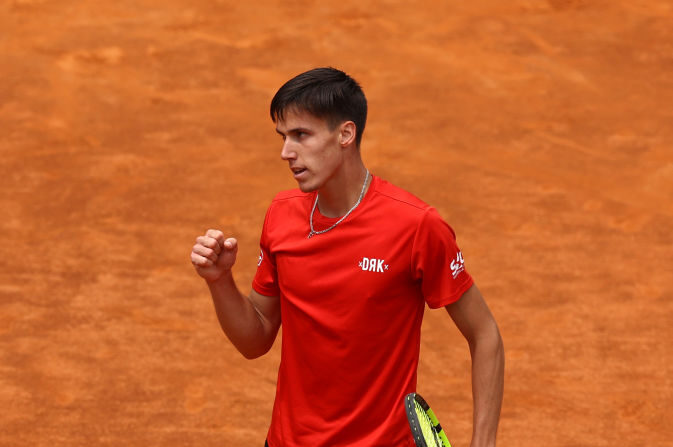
point(424, 424)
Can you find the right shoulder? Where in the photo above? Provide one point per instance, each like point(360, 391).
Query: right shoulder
point(290, 202)
point(287, 214)
point(289, 195)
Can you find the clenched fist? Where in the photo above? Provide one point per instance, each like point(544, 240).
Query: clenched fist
point(213, 255)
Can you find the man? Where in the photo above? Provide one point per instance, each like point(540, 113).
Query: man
point(347, 263)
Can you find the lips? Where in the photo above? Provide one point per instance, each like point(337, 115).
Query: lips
point(298, 172)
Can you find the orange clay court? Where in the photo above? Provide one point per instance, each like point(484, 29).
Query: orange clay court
point(541, 130)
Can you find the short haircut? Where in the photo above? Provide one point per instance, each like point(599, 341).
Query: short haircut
point(325, 93)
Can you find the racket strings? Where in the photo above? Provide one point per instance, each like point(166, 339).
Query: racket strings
point(427, 427)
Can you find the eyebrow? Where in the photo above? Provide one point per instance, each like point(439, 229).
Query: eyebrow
point(294, 130)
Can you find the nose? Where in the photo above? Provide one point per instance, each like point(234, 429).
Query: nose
point(288, 153)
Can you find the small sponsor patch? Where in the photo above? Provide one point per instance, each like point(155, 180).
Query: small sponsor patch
point(457, 265)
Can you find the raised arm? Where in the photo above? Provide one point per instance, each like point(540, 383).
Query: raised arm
point(475, 321)
point(250, 322)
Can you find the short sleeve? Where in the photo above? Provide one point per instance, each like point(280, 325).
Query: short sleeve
point(266, 278)
point(437, 262)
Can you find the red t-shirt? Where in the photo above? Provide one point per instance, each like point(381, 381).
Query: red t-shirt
point(352, 301)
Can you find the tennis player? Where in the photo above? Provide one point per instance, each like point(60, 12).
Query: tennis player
point(347, 264)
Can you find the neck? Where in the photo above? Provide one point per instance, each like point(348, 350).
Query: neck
point(342, 191)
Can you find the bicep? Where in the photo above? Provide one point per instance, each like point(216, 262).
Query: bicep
point(472, 315)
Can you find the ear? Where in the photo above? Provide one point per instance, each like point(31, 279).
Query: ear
point(347, 133)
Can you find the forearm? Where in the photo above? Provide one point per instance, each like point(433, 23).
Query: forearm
point(488, 366)
point(242, 323)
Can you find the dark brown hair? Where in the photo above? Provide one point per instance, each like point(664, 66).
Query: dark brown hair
point(325, 93)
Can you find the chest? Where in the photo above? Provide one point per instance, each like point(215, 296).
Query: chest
point(347, 268)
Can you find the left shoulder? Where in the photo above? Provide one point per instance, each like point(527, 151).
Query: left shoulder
point(393, 193)
point(405, 203)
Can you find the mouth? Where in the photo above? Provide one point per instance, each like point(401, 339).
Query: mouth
point(298, 172)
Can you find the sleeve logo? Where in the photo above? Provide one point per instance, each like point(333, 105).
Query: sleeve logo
point(260, 258)
point(457, 265)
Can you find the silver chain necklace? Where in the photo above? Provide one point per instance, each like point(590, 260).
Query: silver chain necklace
point(310, 220)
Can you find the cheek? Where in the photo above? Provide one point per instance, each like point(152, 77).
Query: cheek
point(330, 161)
point(326, 156)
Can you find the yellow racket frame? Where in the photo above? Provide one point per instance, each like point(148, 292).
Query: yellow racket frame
point(413, 403)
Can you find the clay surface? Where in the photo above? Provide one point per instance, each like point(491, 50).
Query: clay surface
point(541, 130)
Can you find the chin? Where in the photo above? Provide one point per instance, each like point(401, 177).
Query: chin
point(307, 187)
point(310, 184)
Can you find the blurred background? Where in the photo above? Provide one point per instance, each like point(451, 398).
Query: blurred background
point(541, 131)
